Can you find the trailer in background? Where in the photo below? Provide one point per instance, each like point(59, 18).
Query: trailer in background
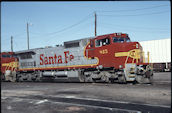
point(159, 53)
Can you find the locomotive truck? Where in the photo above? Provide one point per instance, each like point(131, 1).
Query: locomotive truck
point(108, 58)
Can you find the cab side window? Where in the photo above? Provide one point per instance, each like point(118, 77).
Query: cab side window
point(26, 56)
point(118, 40)
point(91, 43)
point(102, 42)
point(115, 39)
point(6, 56)
point(128, 40)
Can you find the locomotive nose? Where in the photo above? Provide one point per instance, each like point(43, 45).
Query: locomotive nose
point(138, 51)
point(136, 45)
point(131, 49)
point(135, 51)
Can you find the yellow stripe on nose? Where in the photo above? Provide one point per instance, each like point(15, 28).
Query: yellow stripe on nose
point(11, 64)
point(120, 54)
point(5, 64)
point(135, 53)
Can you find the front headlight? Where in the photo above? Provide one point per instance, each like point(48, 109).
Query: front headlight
point(120, 66)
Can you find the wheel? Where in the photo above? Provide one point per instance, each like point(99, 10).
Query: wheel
point(122, 79)
point(81, 76)
point(13, 74)
point(19, 79)
point(111, 80)
point(105, 79)
point(93, 80)
point(38, 79)
point(140, 79)
point(2, 77)
point(150, 79)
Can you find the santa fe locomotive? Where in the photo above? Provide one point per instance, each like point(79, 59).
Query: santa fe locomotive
point(8, 65)
point(108, 58)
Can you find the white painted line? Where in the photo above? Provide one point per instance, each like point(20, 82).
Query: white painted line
point(41, 101)
point(65, 103)
point(4, 98)
point(9, 107)
point(74, 97)
point(108, 108)
point(101, 100)
point(68, 96)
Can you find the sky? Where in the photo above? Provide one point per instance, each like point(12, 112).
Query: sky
point(52, 23)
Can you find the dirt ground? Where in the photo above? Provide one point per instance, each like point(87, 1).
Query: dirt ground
point(87, 97)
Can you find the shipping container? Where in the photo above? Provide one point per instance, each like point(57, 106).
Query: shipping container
point(159, 53)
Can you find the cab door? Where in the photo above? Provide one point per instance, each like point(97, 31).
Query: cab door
point(91, 49)
point(103, 50)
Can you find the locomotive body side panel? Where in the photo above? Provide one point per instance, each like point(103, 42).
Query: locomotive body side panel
point(59, 58)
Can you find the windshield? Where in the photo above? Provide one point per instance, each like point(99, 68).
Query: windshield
point(127, 40)
point(120, 40)
point(6, 56)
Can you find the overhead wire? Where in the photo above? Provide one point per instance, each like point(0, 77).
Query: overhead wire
point(135, 9)
point(118, 15)
point(129, 29)
point(71, 26)
point(9, 37)
point(19, 34)
point(54, 33)
point(64, 29)
point(136, 27)
point(112, 15)
point(75, 31)
point(141, 14)
point(15, 44)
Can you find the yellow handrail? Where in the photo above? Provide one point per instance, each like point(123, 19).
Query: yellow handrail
point(148, 57)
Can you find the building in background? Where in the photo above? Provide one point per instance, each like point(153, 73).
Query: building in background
point(159, 53)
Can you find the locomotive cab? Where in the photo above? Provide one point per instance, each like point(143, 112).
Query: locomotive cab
point(104, 47)
point(116, 51)
point(120, 44)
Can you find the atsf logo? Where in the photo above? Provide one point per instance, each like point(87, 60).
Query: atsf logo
point(44, 60)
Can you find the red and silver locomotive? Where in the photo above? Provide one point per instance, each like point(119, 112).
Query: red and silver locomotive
point(9, 64)
point(107, 58)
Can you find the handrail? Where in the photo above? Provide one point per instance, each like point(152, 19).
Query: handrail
point(148, 57)
point(127, 58)
point(145, 60)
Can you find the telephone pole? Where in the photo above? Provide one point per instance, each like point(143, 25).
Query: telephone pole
point(95, 24)
point(28, 35)
point(11, 43)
